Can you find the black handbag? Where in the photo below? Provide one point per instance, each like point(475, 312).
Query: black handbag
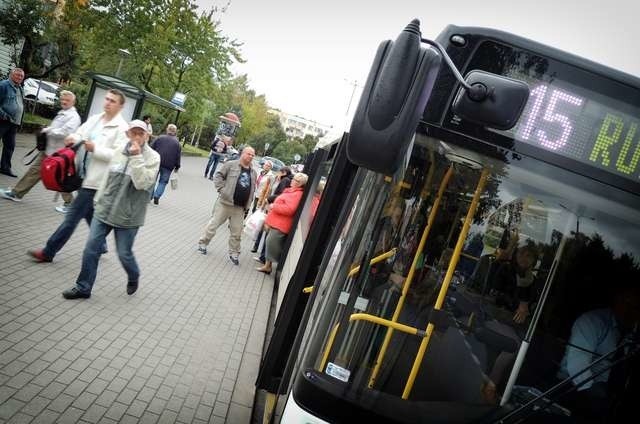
point(41, 146)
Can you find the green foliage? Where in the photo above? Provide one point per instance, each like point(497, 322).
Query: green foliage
point(271, 134)
point(174, 46)
point(190, 150)
point(23, 22)
point(34, 119)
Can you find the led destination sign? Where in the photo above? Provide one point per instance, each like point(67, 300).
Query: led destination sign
point(570, 122)
point(570, 112)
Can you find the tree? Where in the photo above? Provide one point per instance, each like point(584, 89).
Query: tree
point(22, 26)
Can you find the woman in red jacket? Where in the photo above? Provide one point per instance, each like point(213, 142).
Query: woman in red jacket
point(280, 219)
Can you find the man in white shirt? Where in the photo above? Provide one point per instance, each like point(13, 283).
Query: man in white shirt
point(595, 334)
point(101, 135)
point(66, 122)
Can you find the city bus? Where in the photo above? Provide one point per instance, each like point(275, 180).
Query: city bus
point(493, 203)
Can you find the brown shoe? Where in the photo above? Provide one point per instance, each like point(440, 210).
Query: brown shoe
point(264, 270)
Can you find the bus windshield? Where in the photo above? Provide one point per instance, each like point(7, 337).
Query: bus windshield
point(441, 275)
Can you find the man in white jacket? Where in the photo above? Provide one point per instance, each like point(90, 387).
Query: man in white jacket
point(66, 122)
point(102, 134)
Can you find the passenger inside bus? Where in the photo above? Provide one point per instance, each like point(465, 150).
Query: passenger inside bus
point(610, 332)
point(510, 282)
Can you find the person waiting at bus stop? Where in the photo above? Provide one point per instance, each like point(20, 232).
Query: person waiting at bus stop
point(281, 181)
point(280, 220)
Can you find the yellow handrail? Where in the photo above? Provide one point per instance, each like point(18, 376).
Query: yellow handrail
point(325, 355)
point(353, 272)
point(374, 261)
point(381, 257)
point(409, 279)
point(387, 323)
point(447, 280)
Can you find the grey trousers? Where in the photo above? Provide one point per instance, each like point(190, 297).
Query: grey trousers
point(222, 213)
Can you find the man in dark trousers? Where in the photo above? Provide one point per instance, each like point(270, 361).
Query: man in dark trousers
point(218, 150)
point(169, 149)
point(11, 114)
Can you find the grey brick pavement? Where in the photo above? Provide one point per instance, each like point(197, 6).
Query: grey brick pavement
point(185, 348)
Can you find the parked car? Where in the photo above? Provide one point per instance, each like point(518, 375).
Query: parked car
point(232, 154)
point(277, 163)
point(48, 94)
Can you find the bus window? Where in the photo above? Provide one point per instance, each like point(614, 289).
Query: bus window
point(430, 298)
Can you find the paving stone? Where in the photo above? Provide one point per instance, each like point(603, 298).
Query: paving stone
point(61, 403)
point(28, 392)
point(94, 414)
point(46, 417)
point(35, 405)
point(9, 408)
point(70, 416)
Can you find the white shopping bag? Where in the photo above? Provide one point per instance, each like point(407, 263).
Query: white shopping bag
point(254, 223)
point(174, 181)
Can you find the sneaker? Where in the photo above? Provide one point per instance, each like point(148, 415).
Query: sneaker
point(155, 200)
point(38, 255)
point(9, 194)
point(132, 286)
point(202, 248)
point(74, 293)
point(234, 260)
point(258, 259)
point(63, 208)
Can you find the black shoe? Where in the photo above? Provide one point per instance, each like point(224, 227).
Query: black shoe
point(155, 200)
point(254, 250)
point(8, 173)
point(132, 286)
point(74, 293)
point(234, 259)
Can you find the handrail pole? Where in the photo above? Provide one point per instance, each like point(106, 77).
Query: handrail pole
point(373, 261)
point(447, 280)
point(409, 279)
point(325, 355)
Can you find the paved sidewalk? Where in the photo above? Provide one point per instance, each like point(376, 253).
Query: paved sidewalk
point(185, 348)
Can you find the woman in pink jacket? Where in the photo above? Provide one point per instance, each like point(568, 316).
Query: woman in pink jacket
point(280, 219)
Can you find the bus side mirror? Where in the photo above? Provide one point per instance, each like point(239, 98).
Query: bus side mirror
point(496, 101)
point(392, 102)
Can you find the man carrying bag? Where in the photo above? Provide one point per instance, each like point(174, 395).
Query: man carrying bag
point(49, 140)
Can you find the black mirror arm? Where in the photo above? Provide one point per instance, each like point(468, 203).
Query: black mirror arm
point(477, 92)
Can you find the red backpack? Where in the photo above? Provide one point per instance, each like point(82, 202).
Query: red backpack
point(58, 171)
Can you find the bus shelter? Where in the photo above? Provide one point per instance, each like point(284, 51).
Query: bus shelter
point(135, 97)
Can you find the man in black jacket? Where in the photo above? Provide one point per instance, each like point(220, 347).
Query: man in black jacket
point(169, 149)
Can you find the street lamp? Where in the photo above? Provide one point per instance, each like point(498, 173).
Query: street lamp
point(578, 216)
point(123, 54)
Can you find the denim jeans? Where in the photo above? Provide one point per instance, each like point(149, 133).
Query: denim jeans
point(81, 208)
point(163, 179)
point(91, 254)
point(8, 136)
point(214, 159)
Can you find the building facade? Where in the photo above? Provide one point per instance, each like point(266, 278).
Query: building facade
point(297, 127)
